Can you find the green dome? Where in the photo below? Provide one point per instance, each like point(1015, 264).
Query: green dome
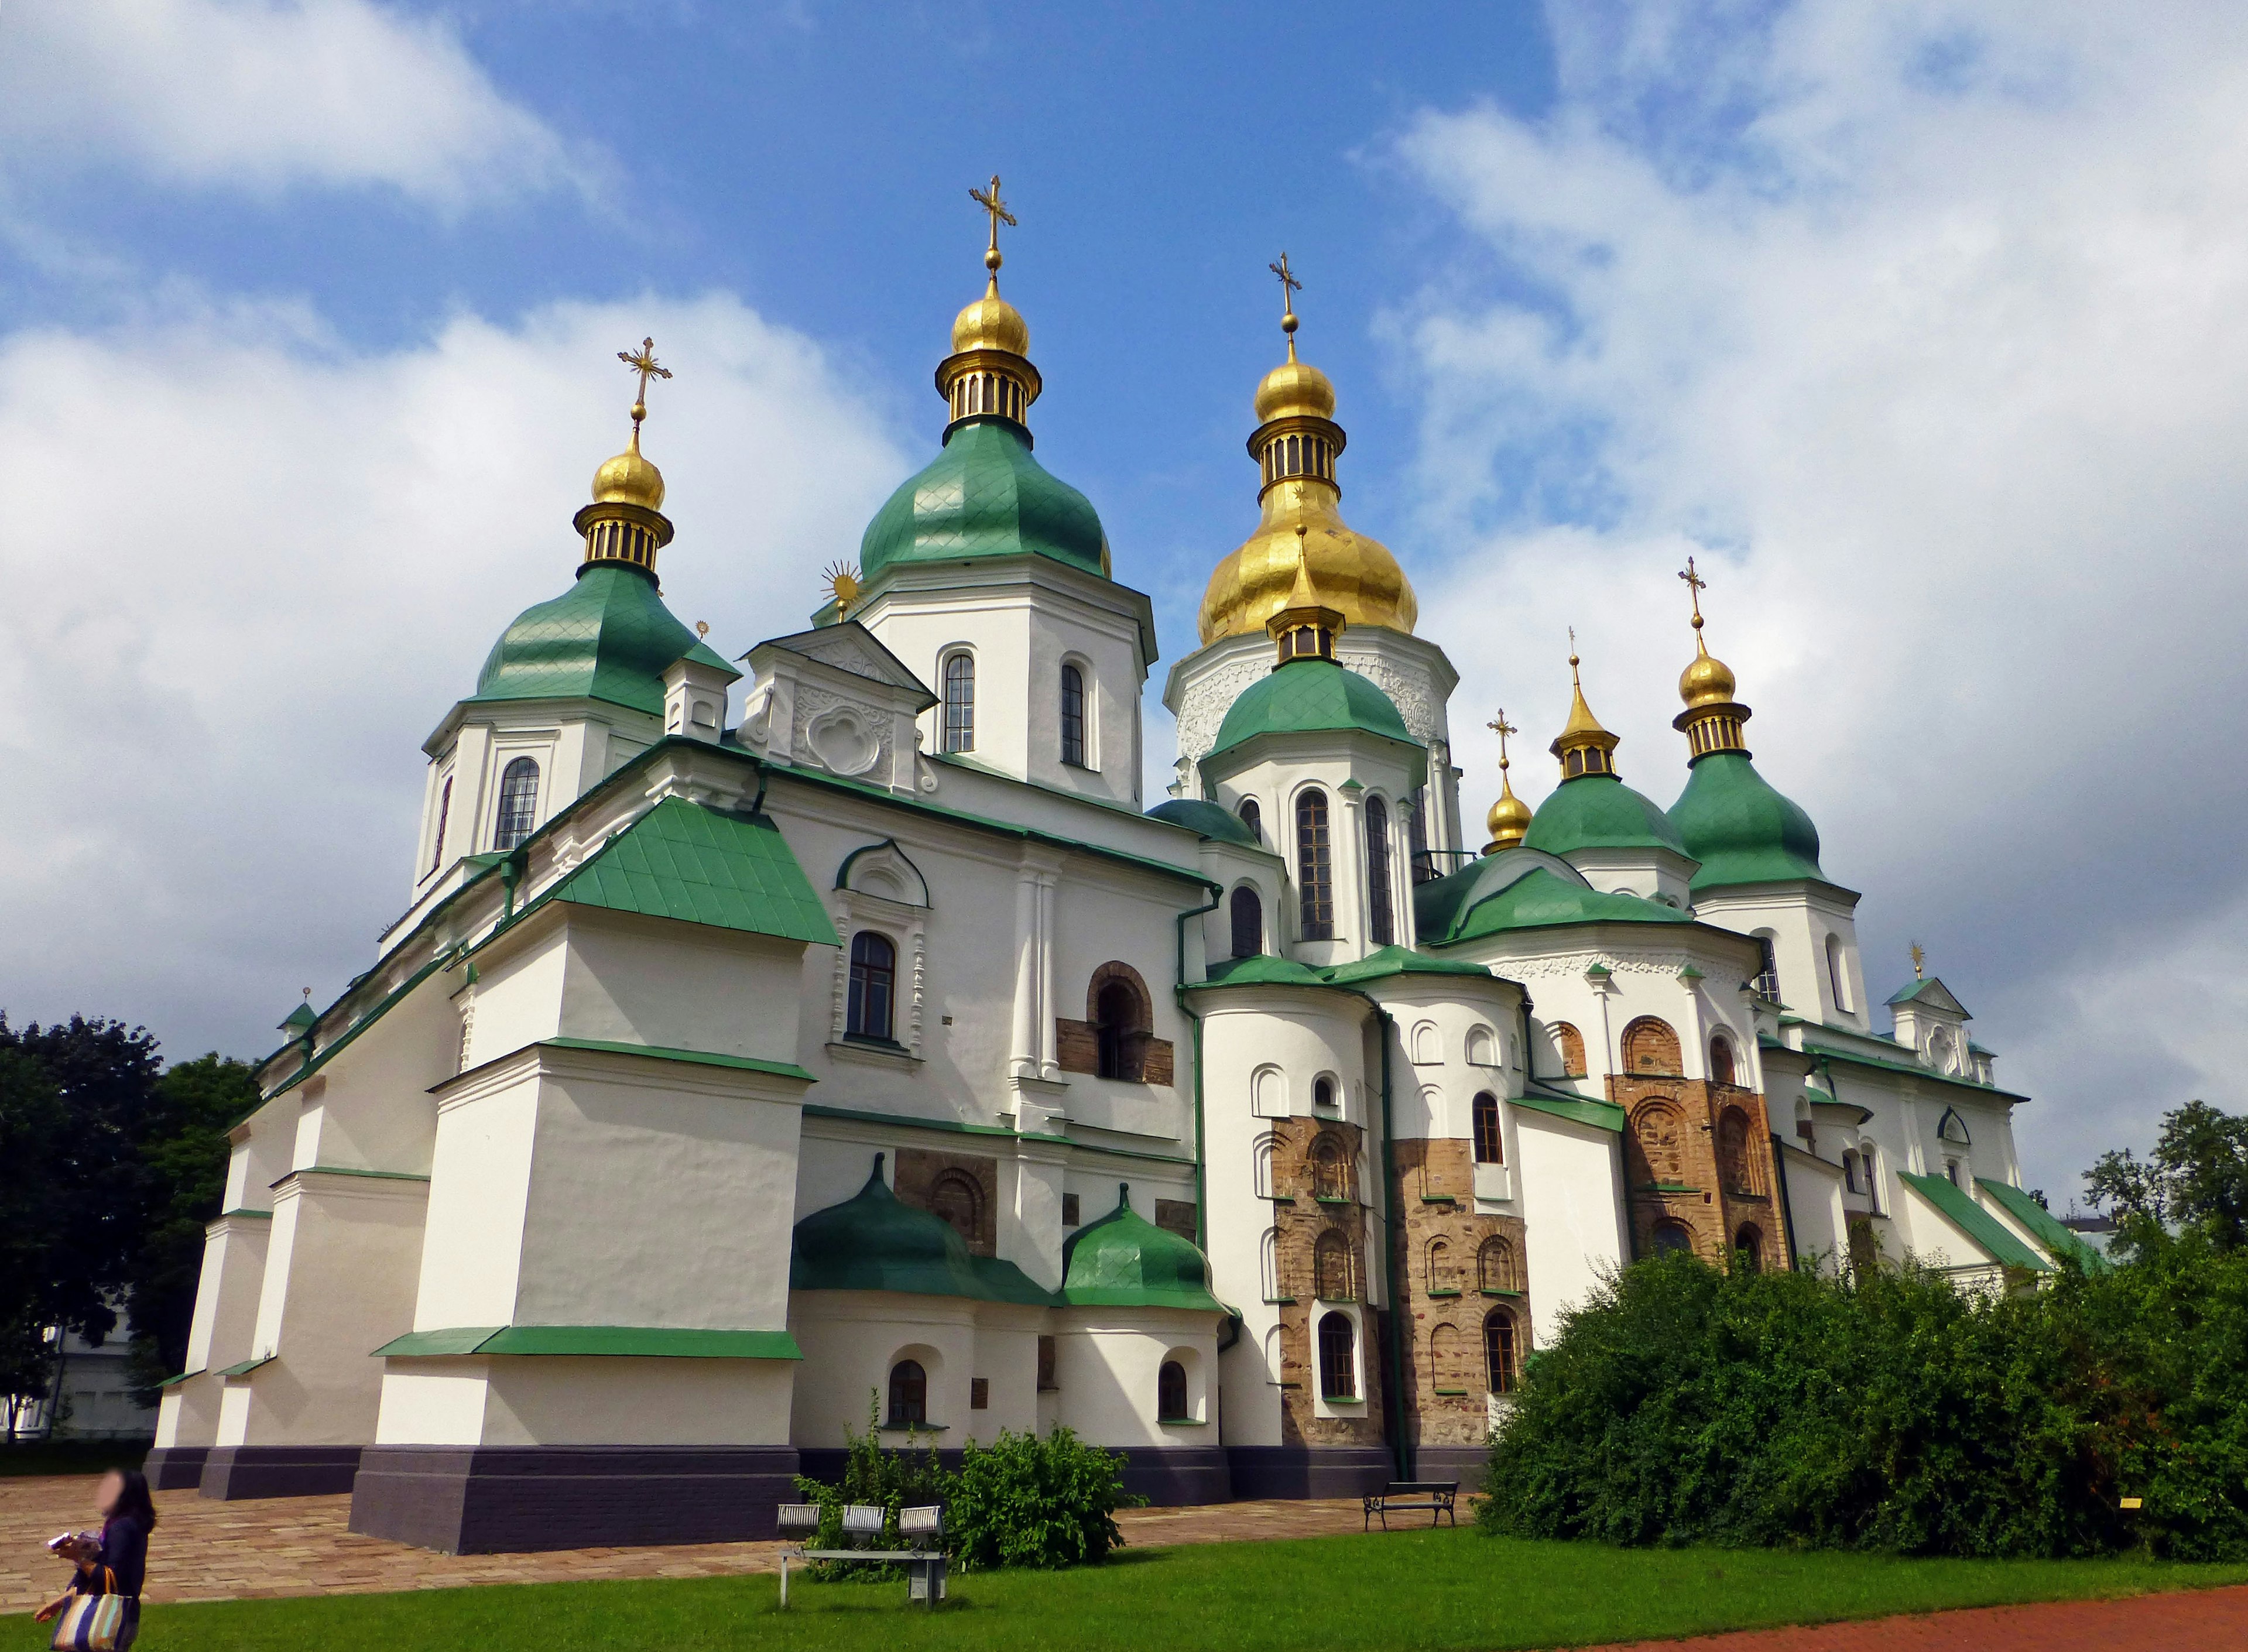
point(1309, 696)
point(1210, 819)
point(1740, 829)
point(984, 496)
point(1600, 812)
point(1124, 1261)
point(608, 637)
point(1541, 900)
point(871, 1241)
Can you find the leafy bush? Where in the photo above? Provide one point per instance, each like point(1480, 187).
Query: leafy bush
point(1028, 1502)
point(894, 1480)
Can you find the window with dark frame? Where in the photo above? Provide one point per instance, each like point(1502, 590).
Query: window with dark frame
point(1253, 817)
point(1489, 1148)
point(1247, 918)
point(1119, 1037)
point(1766, 984)
point(870, 1011)
point(1498, 1350)
point(959, 731)
point(1381, 927)
point(979, 1393)
point(444, 813)
point(1046, 1383)
point(1072, 716)
point(1721, 1060)
point(1314, 866)
point(519, 803)
point(1416, 835)
point(1171, 1394)
point(908, 1395)
point(1070, 1215)
point(1338, 1357)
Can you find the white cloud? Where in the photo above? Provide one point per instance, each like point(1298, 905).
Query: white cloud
point(260, 95)
point(249, 571)
point(1920, 325)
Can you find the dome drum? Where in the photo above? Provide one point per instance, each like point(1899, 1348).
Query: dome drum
point(1710, 728)
point(1296, 447)
point(615, 532)
point(987, 383)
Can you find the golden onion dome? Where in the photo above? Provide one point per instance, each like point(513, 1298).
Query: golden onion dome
point(991, 323)
point(1509, 820)
point(629, 479)
point(1357, 576)
point(1708, 681)
point(1294, 389)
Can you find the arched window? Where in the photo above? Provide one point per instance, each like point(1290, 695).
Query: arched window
point(444, 813)
point(959, 703)
point(1253, 817)
point(1952, 1128)
point(1748, 1248)
point(1444, 1373)
point(1482, 1047)
point(1380, 927)
point(1416, 835)
point(1721, 1060)
point(1672, 1236)
point(1766, 984)
point(1330, 1168)
point(1268, 1263)
point(1323, 1092)
point(1268, 1093)
point(1260, 1165)
point(1494, 1266)
point(1248, 915)
point(1571, 1044)
point(1498, 1352)
point(1736, 1163)
point(1656, 1132)
point(1119, 1024)
point(1850, 1172)
point(519, 803)
point(1171, 1394)
point(873, 988)
point(1650, 1045)
point(1072, 716)
point(1428, 1044)
point(908, 1395)
point(1333, 1276)
point(1314, 866)
point(1440, 1266)
point(1836, 974)
point(956, 1198)
point(1338, 1357)
point(1489, 1150)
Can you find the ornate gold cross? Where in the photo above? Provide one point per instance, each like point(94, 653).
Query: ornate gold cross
point(1288, 285)
point(1695, 585)
point(642, 361)
point(1502, 728)
point(989, 200)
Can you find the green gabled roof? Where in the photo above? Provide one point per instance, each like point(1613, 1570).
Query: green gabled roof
point(1600, 812)
point(2042, 1223)
point(694, 864)
point(872, 1242)
point(1933, 991)
point(1742, 831)
point(1124, 1261)
point(703, 653)
point(299, 1021)
point(1309, 696)
point(1975, 1221)
point(983, 496)
point(1209, 819)
point(1543, 901)
point(1397, 960)
point(609, 637)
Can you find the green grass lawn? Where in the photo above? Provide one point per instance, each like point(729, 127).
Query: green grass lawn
point(1420, 1589)
point(71, 1457)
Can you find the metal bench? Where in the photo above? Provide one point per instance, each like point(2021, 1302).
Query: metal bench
point(1401, 1496)
point(862, 1525)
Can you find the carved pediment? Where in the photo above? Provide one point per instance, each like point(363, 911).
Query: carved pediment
point(850, 647)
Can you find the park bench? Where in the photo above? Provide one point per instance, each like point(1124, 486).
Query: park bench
point(862, 1525)
point(1401, 1495)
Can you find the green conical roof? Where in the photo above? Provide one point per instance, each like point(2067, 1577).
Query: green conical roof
point(1741, 830)
point(1310, 695)
point(871, 1241)
point(984, 496)
point(1124, 1261)
point(608, 637)
point(1600, 812)
point(1210, 819)
point(1541, 900)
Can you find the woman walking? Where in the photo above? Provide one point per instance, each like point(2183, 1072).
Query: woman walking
point(115, 1563)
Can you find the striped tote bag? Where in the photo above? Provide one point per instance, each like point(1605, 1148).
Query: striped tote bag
point(92, 1622)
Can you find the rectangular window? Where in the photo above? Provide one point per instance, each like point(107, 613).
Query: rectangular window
point(1314, 866)
point(959, 730)
point(979, 1393)
point(1072, 716)
point(1046, 1383)
point(1072, 1215)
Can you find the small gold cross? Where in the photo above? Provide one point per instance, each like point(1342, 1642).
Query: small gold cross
point(989, 201)
point(1695, 585)
point(642, 361)
point(1502, 728)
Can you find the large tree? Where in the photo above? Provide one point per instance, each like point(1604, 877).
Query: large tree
point(2196, 1180)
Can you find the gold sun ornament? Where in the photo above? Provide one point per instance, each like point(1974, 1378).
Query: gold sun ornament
point(843, 584)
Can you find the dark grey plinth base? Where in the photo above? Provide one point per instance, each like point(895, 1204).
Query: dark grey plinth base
point(1465, 1463)
point(510, 1499)
point(175, 1468)
point(231, 1472)
point(1173, 1477)
point(1309, 1470)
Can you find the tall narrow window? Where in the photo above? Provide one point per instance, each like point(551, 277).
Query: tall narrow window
point(1314, 866)
point(519, 803)
point(1379, 926)
point(1072, 716)
point(1338, 1357)
point(960, 703)
point(908, 1395)
point(1248, 916)
point(873, 988)
point(1171, 1394)
point(1331, 1269)
point(1767, 976)
point(1487, 1148)
point(1253, 818)
point(1498, 1350)
point(1121, 1028)
point(1720, 1059)
point(444, 813)
point(1834, 974)
point(1416, 832)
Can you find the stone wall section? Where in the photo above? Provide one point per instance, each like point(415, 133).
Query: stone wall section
point(1441, 1239)
point(1671, 1166)
point(1301, 1216)
point(936, 1181)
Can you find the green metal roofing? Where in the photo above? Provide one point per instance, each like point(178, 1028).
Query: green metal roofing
point(983, 496)
point(1543, 901)
point(703, 653)
point(1210, 819)
point(1975, 1221)
point(1309, 696)
point(1926, 987)
point(1397, 960)
point(1263, 969)
point(692, 1058)
point(871, 1241)
point(1124, 1261)
point(1599, 812)
point(299, 1021)
point(1925, 1074)
point(608, 637)
point(686, 861)
point(2042, 1223)
point(599, 1341)
point(1741, 830)
point(1581, 1109)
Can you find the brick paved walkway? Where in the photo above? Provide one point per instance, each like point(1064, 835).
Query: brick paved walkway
point(2192, 1620)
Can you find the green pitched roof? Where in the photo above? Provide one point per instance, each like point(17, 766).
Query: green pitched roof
point(1741, 830)
point(2042, 1223)
point(1262, 968)
point(1306, 696)
point(1124, 1261)
point(1543, 901)
point(1210, 819)
point(1397, 960)
point(983, 496)
point(871, 1241)
point(1600, 812)
point(609, 637)
point(683, 861)
point(295, 1023)
point(1975, 1221)
point(1934, 990)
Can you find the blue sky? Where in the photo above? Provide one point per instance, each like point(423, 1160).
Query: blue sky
point(1916, 325)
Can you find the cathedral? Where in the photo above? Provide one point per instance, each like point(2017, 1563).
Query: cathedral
point(835, 1035)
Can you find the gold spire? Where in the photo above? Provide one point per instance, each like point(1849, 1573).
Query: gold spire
point(1712, 718)
point(1583, 746)
point(1296, 444)
point(1306, 628)
point(625, 521)
point(988, 374)
point(1509, 820)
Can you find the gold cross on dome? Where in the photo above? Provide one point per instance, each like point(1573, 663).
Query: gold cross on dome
point(642, 361)
point(989, 201)
point(1695, 585)
point(1502, 728)
point(1288, 285)
point(1919, 963)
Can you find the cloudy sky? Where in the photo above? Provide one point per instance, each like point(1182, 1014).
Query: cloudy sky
point(1919, 326)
